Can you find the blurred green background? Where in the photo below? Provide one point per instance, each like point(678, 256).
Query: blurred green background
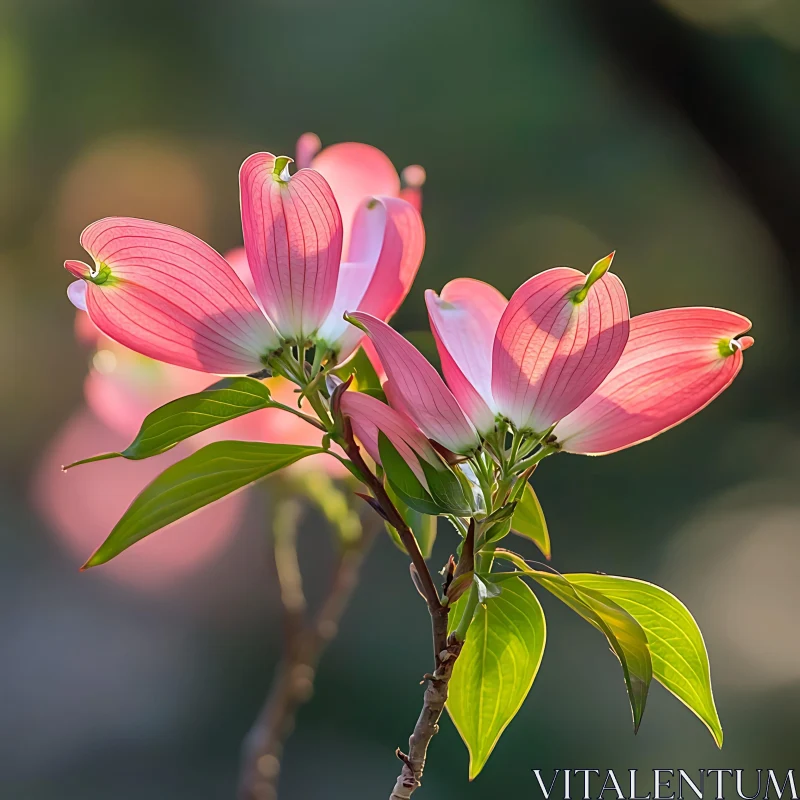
point(552, 132)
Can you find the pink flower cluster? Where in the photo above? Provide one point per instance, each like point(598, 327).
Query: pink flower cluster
point(122, 387)
point(561, 360)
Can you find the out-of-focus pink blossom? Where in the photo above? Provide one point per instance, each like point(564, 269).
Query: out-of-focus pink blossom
point(123, 387)
point(82, 506)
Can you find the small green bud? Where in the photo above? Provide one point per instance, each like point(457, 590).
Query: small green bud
point(100, 274)
point(595, 273)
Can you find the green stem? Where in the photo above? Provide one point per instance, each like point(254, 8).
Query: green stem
point(305, 417)
point(461, 629)
point(543, 452)
point(515, 443)
point(318, 404)
point(484, 479)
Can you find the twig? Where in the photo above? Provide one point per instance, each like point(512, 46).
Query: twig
point(408, 781)
point(446, 650)
point(305, 643)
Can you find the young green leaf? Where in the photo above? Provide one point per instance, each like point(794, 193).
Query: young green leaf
point(626, 637)
point(423, 526)
point(528, 521)
point(205, 476)
point(501, 656)
point(503, 513)
point(163, 428)
point(446, 490)
point(402, 479)
point(680, 660)
point(486, 590)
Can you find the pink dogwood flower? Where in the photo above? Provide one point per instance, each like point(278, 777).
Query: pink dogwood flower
point(168, 295)
point(561, 352)
point(531, 360)
point(675, 363)
point(355, 170)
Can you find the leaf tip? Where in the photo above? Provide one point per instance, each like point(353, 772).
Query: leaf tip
point(91, 459)
point(95, 560)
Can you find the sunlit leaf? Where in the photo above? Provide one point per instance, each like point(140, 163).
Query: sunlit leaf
point(205, 476)
point(625, 635)
point(528, 520)
point(501, 656)
point(680, 660)
point(163, 428)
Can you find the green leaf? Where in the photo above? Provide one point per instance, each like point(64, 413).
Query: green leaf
point(366, 378)
point(402, 479)
point(496, 668)
point(446, 490)
point(502, 514)
point(626, 637)
point(528, 521)
point(178, 420)
point(423, 526)
point(205, 476)
point(680, 660)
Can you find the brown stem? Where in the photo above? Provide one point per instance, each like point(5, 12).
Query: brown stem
point(446, 650)
point(408, 781)
point(294, 681)
point(396, 520)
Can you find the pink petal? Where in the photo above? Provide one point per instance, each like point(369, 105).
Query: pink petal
point(551, 353)
point(385, 254)
point(368, 416)
point(424, 395)
point(355, 171)
point(171, 297)
point(671, 368)
point(293, 239)
point(374, 359)
point(464, 321)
